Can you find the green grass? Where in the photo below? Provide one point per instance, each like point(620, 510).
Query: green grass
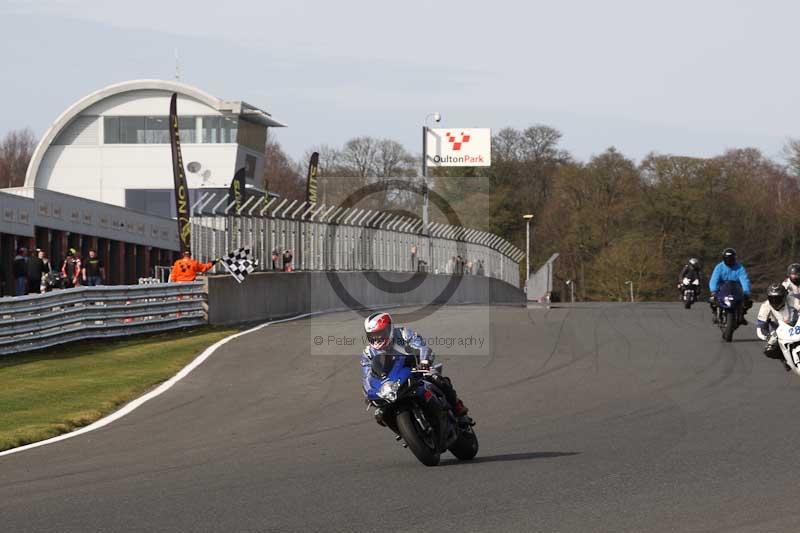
point(46, 393)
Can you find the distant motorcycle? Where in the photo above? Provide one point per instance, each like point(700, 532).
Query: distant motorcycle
point(690, 289)
point(729, 308)
point(416, 410)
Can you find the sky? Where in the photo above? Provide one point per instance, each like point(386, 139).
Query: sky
point(681, 77)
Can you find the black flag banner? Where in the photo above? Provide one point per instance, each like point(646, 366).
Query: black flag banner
point(311, 183)
point(239, 263)
point(237, 191)
point(182, 207)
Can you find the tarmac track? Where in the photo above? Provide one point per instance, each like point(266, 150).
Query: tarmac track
point(605, 417)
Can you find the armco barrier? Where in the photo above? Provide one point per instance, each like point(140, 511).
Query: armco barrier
point(42, 320)
point(269, 296)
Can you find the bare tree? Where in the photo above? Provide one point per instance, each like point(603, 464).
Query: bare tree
point(281, 174)
point(792, 154)
point(16, 150)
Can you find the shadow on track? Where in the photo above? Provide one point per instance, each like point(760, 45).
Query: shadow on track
point(507, 457)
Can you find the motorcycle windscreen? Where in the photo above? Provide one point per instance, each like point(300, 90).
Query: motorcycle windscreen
point(383, 364)
point(730, 292)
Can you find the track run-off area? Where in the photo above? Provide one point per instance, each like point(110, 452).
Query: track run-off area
point(591, 417)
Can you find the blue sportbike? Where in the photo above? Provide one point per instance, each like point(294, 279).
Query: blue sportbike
point(416, 410)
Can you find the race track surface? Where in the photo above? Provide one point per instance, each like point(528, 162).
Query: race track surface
point(606, 417)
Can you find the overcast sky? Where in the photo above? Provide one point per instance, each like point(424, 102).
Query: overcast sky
point(683, 77)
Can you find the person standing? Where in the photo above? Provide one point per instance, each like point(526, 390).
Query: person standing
point(35, 272)
point(287, 260)
point(186, 268)
point(47, 270)
point(276, 259)
point(71, 269)
point(20, 270)
point(93, 270)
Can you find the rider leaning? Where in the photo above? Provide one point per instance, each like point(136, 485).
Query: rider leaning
point(729, 270)
point(383, 338)
point(780, 306)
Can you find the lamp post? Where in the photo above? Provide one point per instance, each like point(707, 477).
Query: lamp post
point(437, 118)
point(528, 219)
point(631, 285)
point(571, 286)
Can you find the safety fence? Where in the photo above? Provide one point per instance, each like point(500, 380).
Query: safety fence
point(327, 238)
point(42, 320)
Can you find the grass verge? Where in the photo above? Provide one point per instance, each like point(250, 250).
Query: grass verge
point(54, 391)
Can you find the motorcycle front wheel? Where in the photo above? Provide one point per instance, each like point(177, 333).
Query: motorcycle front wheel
point(410, 432)
point(730, 326)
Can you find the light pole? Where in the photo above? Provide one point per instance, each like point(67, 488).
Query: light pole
point(528, 219)
point(571, 286)
point(437, 118)
point(631, 284)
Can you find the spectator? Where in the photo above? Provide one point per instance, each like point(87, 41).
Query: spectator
point(414, 264)
point(35, 272)
point(47, 273)
point(71, 269)
point(276, 259)
point(287, 260)
point(186, 268)
point(481, 271)
point(93, 270)
point(20, 271)
point(459, 265)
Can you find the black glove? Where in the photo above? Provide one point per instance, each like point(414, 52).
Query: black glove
point(214, 262)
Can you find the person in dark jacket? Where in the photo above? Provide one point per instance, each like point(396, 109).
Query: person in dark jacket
point(693, 271)
point(20, 271)
point(35, 272)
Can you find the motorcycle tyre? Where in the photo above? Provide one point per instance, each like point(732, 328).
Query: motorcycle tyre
point(408, 430)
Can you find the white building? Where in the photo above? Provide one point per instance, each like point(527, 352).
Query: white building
point(112, 146)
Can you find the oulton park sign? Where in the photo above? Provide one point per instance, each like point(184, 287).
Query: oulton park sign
point(458, 147)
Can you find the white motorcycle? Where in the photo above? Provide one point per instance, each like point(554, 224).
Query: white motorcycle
point(788, 339)
point(689, 290)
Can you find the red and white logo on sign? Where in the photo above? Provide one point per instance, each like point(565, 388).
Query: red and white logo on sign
point(457, 144)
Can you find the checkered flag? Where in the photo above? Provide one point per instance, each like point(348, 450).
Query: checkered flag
point(239, 263)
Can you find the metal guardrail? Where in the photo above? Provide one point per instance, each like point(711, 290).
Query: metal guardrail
point(334, 238)
point(42, 320)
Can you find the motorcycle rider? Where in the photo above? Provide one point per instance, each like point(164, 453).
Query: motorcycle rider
point(777, 308)
point(692, 271)
point(383, 338)
point(729, 269)
point(792, 281)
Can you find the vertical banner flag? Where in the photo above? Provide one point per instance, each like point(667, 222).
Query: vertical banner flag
point(237, 190)
point(182, 207)
point(311, 183)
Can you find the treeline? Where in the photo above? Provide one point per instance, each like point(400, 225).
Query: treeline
point(612, 220)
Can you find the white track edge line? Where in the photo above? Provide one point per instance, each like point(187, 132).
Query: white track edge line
point(161, 389)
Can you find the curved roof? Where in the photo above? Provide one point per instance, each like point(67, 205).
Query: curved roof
point(136, 85)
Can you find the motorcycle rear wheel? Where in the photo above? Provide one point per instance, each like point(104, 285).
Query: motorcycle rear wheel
point(410, 433)
point(466, 447)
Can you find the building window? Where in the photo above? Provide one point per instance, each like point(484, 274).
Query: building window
point(146, 130)
point(111, 130)
point(156, 130)
point(131, 130)
point(220, 129)
point(211, 129)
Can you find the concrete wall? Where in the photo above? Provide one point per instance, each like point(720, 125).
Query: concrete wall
point(268, 296)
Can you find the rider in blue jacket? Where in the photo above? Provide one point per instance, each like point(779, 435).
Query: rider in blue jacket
point(729, 269)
